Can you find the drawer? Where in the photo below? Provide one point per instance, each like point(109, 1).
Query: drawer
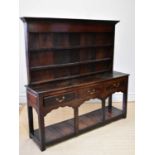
point(90, 92)
point(115, 85)
point(59, 99)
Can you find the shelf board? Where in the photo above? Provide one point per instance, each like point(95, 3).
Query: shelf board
point(64, 130)
point(69, 48)
point(68, 64)
point(44, 32)
point(68, 77)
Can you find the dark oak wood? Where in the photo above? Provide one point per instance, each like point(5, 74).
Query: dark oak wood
point(110, 103)
point(69, 64)
point(125, 99)
point(70, 61)
point(30, 120)
point(41, 124)
point(103, 109)
point(76, 120)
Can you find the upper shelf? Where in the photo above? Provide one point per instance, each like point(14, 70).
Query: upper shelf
point(69, 64)
point(67, 77)
point(70, 48)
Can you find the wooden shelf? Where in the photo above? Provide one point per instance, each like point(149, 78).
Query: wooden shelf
point(64, 130)
point(69, 64)
point(48, 32)
point(69, 48)
point(68, 77)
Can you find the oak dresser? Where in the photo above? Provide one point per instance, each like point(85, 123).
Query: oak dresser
point(70, 61)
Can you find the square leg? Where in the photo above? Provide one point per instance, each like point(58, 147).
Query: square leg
point(76, 120)
point(125, 104)
point(41, 132)
point(30, 120)
point(110, 103)
point(103, 108)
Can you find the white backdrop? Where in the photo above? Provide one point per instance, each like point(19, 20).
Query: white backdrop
point(122, 10)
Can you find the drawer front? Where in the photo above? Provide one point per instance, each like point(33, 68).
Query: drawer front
point(115, 85)
point(90, 92)
point(59, 99)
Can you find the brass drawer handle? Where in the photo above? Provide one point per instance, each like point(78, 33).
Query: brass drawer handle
point(60, 99)
point(116, 85)
point(93, 91)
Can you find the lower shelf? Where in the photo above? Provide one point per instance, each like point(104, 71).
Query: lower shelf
point(64, 130)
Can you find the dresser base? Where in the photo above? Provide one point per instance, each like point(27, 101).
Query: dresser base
point(64, 130)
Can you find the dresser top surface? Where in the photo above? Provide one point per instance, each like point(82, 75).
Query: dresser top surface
point(77, 82)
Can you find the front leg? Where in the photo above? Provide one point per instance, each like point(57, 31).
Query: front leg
point(30, 120)
point(41, 124)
